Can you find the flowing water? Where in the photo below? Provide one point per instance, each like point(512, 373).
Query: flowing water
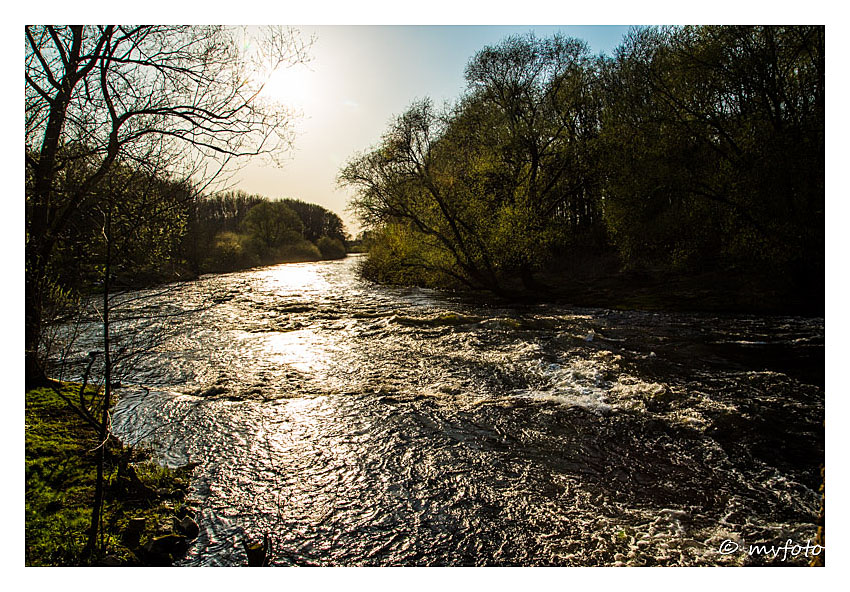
point(355, 424)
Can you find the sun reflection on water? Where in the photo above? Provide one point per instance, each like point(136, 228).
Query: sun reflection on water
point(293, 277)
point(304, 350)
point(361, 425)
point(309, 349)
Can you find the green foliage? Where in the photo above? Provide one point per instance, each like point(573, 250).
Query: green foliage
point(148, 216)
point(263, 232)
point(330, 248)
point(399, 254)
point(693, 149)
point(301, 250)
point(273, 224)
point(230, 252)
point(317, 221)
point(715, 136)
point(57, 480)
point(490, 184)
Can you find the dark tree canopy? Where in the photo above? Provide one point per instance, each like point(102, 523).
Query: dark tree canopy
point(318, 221)
point(692, 149)
point(716, 137)
point(485, 190)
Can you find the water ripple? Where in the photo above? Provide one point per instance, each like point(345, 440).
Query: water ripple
point(361, 425)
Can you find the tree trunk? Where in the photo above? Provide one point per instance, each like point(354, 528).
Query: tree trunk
point(34, 296)
point(103, 435)
point(34, 372)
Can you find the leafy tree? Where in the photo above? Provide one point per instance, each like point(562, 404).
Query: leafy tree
point(403, 182)
point(208, 218)
point(230, 252)
point(318, 221)
point(273, 224)
point(715, 141)
point(330, 248)
point(492, 183)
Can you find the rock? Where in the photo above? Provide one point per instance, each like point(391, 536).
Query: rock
point(212, 391)
point(183, 511)
point(659, 397)
point(129, 484)
point(188, 527)
point(167, 545)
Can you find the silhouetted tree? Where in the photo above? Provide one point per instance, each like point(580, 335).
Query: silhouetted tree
point(488, 190)
point(318, 221)
point(179, 99)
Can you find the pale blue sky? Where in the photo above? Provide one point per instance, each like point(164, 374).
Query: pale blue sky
point(359, 78)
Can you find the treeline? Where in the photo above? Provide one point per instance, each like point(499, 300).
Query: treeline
point(690, 150)
point(236, 230)
point(146, 228)
point(161, 230)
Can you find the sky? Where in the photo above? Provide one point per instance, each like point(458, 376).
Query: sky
point(358, 78)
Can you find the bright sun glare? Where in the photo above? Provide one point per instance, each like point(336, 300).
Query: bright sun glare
point(291, 86)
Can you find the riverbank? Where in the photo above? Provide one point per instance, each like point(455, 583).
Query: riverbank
point(599, 281)
point(712, 292)
point(146, 517)
point(184, 273)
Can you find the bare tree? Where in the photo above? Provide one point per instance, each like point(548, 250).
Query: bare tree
point(184, 99)
point(118, 329)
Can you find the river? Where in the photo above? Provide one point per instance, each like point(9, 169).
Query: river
point(355, 424)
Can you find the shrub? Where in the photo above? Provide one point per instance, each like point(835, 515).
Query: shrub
point(230, 252)
point(301, 251)
point(330, 248)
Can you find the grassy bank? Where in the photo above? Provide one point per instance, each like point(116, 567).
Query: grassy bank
point(146, 519)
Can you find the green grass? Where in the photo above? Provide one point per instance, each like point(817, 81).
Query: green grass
point(60, 464)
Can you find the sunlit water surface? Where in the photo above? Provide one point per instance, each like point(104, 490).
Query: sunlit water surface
point(355, 424)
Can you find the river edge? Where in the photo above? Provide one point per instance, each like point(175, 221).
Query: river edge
point(657, 293)
point(184, 273)
point(148, 520)
point(600, 282)
point(708, 292)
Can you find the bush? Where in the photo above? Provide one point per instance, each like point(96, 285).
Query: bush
point(330, 248)
point(230, 252)
point(301, 251)
point(397, 255)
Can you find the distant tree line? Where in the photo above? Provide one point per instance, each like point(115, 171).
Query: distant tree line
point(236, 230)
point(163, 231)
point(691, 149)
